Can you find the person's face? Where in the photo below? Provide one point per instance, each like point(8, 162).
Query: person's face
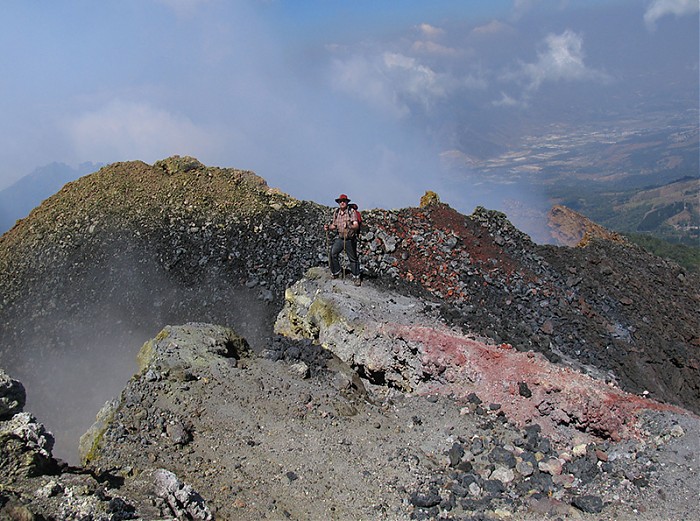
point(343, 203)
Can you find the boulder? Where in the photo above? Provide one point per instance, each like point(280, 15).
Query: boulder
point(25, 448)
point(12, 396)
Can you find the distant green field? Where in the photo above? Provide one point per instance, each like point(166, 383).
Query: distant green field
point(670, 212)
point(684, 255)
point(664, 219)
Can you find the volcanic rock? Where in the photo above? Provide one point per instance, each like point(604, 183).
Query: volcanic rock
point(401, 342)
point(263, 442)
point(12, 396)
point(570, 228)
point(464, 334)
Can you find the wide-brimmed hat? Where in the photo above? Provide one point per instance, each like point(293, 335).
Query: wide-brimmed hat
point(342, 197)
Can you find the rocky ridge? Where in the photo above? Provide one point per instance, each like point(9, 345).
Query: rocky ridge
point(119, 253)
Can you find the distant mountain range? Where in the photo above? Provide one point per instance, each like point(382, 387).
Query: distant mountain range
point(19, 199)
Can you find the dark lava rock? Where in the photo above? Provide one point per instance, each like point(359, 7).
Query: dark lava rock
point(428, 499)
point(524, 390)
point(591, 504)
point(584, 468)
point(503, 457)
point(455, 454)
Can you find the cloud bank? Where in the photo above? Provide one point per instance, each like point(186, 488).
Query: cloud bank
point(138, 130)
point(561, 60)
point(661, 8)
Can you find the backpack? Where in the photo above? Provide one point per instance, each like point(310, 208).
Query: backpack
point(358, 215)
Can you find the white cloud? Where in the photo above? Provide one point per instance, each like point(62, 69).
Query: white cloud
point(427, 43)
point(563, 59)
point(366, 80)
point(491, 28)
point(430, 31)
point(660, 8)
point(124, 130)
point(390, 81)
point(419, 81)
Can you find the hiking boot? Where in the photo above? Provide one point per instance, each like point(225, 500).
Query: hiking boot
point(357, 281)
point(335, 275)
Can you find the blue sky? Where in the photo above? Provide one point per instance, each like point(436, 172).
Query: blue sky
point(327, 96)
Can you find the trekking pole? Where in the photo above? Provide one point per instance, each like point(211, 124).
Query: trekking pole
point(346, 254)
point(328, 251)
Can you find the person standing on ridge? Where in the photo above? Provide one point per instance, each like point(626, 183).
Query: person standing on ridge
point(346, 223)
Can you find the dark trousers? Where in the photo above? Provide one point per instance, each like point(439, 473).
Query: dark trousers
point(350, 248)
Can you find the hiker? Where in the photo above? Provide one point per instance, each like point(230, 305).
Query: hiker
point(346, 224)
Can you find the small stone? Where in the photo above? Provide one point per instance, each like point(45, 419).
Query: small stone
point(564, 480)
point(524, 390)
point(551, 466)
point(503, 475)
point(455, 454)
point(178, 433)
point(501, 456)
point(602, 456)
point(590, 504)
point(427, 500)
point(473, 398)
point(580, 450)
point(300, 370)
point(548, 327)
point(677, 431)
point(12, 396)
point(474, 489)
point(525, 468)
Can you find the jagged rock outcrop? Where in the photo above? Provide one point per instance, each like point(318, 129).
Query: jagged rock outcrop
point(175, 355)
point(119, 253)
point(570, 228)
point(35, 486)
point(12, 396)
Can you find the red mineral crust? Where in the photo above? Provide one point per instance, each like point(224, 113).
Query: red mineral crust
point(559, 396)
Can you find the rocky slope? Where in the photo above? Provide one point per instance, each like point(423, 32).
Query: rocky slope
point(208, 430)
point(100, 267)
